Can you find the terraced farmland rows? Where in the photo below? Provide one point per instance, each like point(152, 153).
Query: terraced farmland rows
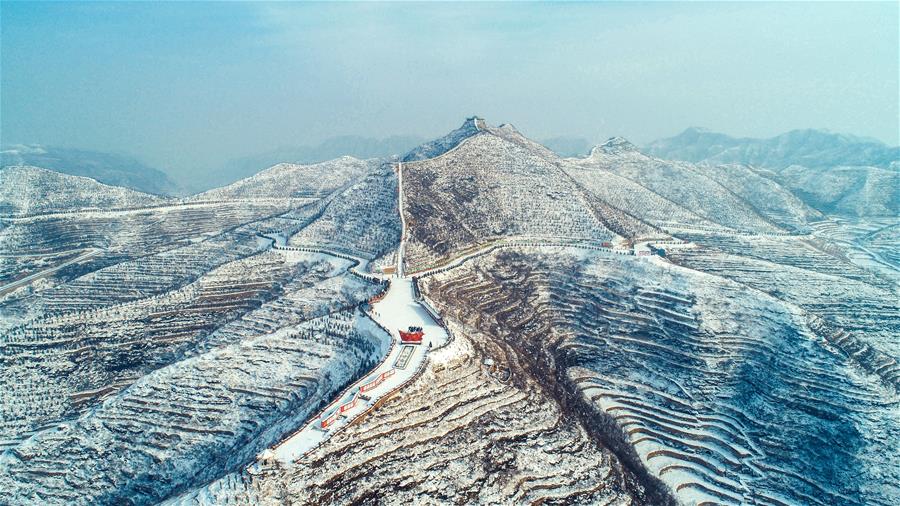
point(190, 347)
point(363, 220)
point(458, 435)
point(219, 407)
point(721, 394)
point(84, 356)
point(859, 309)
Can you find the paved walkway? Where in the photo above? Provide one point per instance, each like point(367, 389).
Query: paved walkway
point(15, 285)
point(397, 310)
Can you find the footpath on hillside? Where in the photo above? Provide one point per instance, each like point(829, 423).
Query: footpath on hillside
point(397, 310)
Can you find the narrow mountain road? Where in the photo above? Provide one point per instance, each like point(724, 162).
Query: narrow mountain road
point(398, 309)
point(518, 242)
point(402, 247)
point(15, 285)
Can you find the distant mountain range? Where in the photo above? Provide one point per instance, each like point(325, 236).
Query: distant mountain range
point(568, 146)
point(107, 168)
point(833, 173)
point(810, 148)
point(347, 145)
point(640, 324)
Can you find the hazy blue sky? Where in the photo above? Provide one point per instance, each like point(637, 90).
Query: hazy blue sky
point(189, 85)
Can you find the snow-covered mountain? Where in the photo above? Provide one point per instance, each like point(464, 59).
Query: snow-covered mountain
point(443, 144)
point(29, 190)
point(834, 173)
point(810, 148)
point(335, 147)
point(289, 180)
point(624, 329)
point(673, 194)
point(493, 183)
point(108, 168)
point(846, 191)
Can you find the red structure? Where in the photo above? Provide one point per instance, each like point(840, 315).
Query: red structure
point(330, 419)
point(350, 405)
point(377, 381)
point(412, 336)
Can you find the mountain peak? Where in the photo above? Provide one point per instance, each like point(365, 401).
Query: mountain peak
point(615, 145)
point(475, 121)
point(441, 145)
point(107, 168)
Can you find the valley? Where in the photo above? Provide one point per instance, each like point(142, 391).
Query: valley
point(613, 329)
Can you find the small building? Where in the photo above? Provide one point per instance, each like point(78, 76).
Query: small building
point(412, 336)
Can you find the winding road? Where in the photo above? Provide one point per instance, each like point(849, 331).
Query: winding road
point(398, 309)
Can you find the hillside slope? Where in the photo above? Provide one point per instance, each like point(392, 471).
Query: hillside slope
point(288, 180)
point(495, 184)
point(31, 190)
point(108, 168)
point(810, 148)
point(443, 144)
point(679, 183)
point(846, 191)
point(185, 345)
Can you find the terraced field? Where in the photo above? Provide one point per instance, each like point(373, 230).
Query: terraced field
point(187, 343)
point(119, 235)
point(700, 194)
point(623, 330)
point(220, 407)
point(361, 220)
point(854, 308)
point(724, 395)
point(463, 433)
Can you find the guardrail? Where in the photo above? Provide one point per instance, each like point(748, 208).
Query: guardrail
point(334, 403)
point(307, 249)
point(388, 394)
point(348, 388)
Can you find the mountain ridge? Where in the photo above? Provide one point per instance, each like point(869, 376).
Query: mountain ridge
point(27, 190)
point(107, 168)
point(624, 328)
point(808, 147)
